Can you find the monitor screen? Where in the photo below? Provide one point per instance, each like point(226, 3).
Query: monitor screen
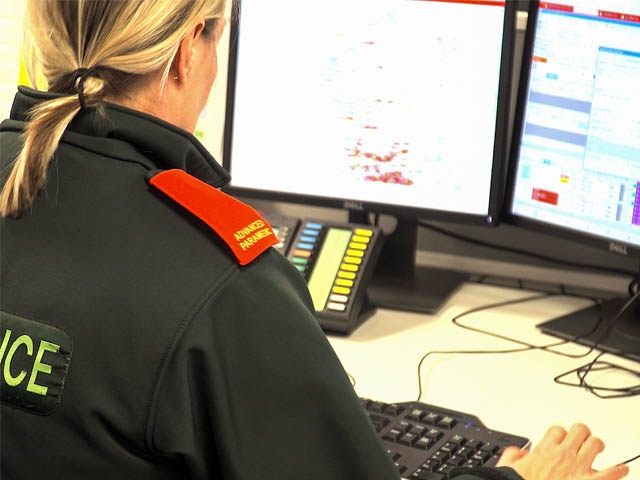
point(379, 104)
point(575, 167)
point(386, 106)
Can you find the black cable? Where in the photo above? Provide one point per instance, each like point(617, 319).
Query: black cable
point(526, 253)
point(634, 286)
point(627, 305)
point(525, 346)
point(599, 391)
point(459, 352)
point(583, 371)
point(456, 321)
point(465, 352)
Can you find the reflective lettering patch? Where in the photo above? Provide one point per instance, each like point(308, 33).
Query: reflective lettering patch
point(250, 235)
point(34, 361)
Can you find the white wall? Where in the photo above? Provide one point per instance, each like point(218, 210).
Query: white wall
point(10, 41)
point(210, 129)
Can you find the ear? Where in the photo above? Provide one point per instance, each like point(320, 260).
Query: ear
point(186, 55)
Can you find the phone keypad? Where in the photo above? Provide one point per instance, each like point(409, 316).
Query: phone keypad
point(336, 260)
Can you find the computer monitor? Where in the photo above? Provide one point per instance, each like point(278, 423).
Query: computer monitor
point(575, 165)
point(395, 107)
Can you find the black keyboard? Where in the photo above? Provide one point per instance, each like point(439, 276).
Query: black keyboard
point(427, 442)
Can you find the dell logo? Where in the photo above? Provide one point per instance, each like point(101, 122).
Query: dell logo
point(617, 248)
point(357, 206)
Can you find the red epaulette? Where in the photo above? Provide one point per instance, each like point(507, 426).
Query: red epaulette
point(240, 226)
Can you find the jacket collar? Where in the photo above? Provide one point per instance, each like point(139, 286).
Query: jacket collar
point(166, 145)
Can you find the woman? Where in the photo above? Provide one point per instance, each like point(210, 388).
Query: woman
point(139, 340)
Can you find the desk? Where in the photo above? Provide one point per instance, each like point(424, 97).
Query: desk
point(512, 392)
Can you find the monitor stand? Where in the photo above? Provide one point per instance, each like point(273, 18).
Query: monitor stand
point(398, 283)
point(622, 339)
point(425, 292)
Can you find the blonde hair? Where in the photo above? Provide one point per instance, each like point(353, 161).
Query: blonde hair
point(89, 49)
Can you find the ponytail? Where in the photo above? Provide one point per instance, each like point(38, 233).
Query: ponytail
point(47, 123)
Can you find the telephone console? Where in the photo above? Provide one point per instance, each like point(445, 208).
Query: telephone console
point(337, 261)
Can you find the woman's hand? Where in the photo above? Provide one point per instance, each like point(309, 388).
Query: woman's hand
point(562, 455)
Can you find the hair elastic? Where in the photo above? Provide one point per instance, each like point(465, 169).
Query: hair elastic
point(82, 74)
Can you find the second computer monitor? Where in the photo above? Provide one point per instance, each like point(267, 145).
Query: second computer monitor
point(576, 158)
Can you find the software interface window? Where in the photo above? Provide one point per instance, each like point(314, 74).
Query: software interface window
point(580, 155)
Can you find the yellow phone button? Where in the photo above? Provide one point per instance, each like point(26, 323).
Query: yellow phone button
point(349, 268)
point(341, 290)
point(347, 275)
point(353, 260)
point(360, 239)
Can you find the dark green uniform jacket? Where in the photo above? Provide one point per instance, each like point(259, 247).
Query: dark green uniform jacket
point(184, 364)
point(134, 345)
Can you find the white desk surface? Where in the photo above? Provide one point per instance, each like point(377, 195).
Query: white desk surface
point(513, 392)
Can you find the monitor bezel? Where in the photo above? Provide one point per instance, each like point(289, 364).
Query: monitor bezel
point(499, 162)
point(613, 246)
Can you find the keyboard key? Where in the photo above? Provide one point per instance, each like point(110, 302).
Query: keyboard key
point(403, 426)
point(425, 475)
point(447, 422)
point(446, 469)
point(490, 447)
point(378, 421)
point(424, 443)
point(466, 452)
point(377, 407)
point(481, 456)
point(418, 430)
point(434, 434)
point(475, 444)
point(456, 460)
point(458, 439)
point(440, 457)
point(449, 447)
point(394, 409)
point(408, 439)
point(416, 414)
point(392, 435)
point(431, 419)
point(431, 465)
